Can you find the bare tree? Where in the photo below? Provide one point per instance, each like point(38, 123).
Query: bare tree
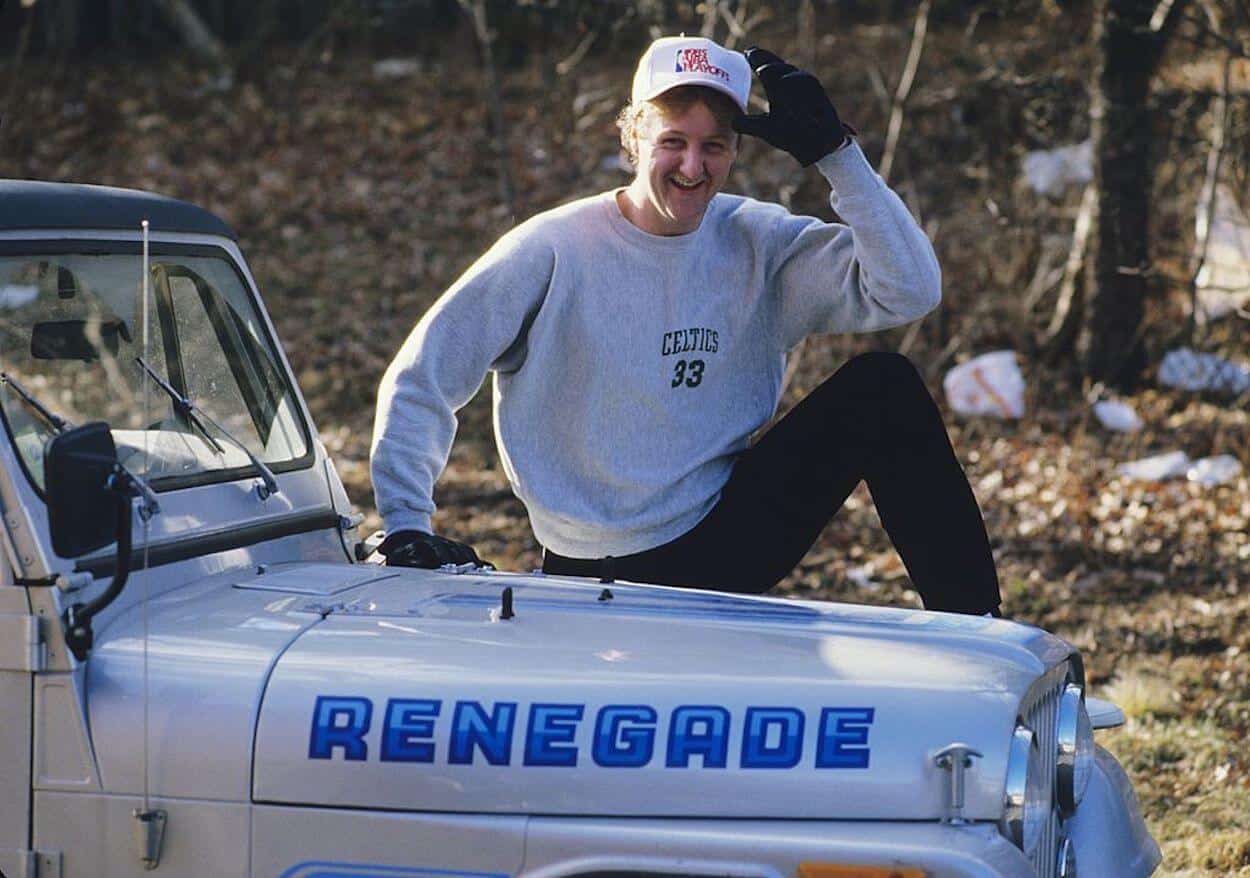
point(476, 10)
point(1131, 35)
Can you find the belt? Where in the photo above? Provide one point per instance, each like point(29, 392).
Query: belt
point(602, 568)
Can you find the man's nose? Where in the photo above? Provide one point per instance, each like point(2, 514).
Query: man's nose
point(692, 163)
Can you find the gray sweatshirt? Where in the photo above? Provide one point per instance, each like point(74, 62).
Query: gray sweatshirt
point(630, 369)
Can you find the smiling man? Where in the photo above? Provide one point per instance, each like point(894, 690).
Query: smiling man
point(638, 338)
point(680, 140)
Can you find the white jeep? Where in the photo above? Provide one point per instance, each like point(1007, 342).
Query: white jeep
point(199, 677)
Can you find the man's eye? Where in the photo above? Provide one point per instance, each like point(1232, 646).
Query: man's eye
point(670, 142)
point(715, 147)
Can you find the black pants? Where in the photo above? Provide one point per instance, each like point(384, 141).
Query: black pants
point(872, 421)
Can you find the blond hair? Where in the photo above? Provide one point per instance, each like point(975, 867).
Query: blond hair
point(673, 102)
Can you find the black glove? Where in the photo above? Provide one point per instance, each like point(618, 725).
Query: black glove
point(412, 548)
point(801, 119)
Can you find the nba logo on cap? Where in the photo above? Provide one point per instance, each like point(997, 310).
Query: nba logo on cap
point(696, 61)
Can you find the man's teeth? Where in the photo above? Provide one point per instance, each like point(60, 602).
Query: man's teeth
point(684, 183)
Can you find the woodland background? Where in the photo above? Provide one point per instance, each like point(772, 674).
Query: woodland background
point(368, 150)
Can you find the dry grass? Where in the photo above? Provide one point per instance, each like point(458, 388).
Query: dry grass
point(1190, 776)
point(1142, 692)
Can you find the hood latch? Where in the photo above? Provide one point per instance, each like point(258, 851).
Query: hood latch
point(956, 759)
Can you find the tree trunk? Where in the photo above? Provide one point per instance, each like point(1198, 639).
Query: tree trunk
point(183, 18)
point(476, 10)
point(61, 31)
point(215, 16)
point(120, 23)
point(1110, 344)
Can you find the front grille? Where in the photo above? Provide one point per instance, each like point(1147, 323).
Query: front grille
point(1040, 712)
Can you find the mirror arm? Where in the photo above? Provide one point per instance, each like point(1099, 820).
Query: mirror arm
point(78, 634)
point(126, 482)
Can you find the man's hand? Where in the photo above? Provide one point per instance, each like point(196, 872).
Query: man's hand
point(801, 119)
point(412, 548)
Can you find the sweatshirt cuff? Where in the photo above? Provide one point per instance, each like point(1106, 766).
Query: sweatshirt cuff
point(847, 169)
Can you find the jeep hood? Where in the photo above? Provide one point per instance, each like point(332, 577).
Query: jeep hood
point(418, 692)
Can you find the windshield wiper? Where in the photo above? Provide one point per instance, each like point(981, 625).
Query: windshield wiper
point(192, 412)
point(49, 417)
point(185, 408)
point(149, 507)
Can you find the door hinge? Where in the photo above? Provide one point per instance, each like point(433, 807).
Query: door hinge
point(149, 829)
point(21, 643)
point(39, 864)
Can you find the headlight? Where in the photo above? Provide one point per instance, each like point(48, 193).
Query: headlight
point(1075, 742)
point(1025, 805)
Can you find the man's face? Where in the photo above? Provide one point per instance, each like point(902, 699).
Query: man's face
point(684, 158)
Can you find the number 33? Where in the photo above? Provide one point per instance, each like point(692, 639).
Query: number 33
point(693, 379)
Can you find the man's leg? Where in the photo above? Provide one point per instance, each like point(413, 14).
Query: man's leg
point(872, 421)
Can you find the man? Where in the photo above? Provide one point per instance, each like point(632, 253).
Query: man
point(637, 339)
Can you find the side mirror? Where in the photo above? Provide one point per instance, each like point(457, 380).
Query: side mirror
point(88, 496)
point(83, 508)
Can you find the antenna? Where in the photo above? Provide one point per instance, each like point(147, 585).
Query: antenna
point(149, 827)
point(147, 469)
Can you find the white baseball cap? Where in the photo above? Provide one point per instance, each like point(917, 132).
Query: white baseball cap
point(670, 62)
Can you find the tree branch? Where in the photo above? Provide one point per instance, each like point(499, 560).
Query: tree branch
point(710, 10)
point(740, 24)
point(1210, 186)
point(199, 39)
point(1067, 316)
point(476, 10)
point(566, 66)
point(904, 89)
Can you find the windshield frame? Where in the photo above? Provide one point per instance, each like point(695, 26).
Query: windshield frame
point(111, 246)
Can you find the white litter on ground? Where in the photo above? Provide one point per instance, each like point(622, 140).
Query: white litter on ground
point(396, 68)
point(1156, 468)
point(1212, 471)
point(1206, 471)
point(1050, 171)
point(1189, 370)
point(1118, 416)
point(990, 384)
point(862, 577)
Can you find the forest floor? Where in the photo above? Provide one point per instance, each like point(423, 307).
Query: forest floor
point(359, 195)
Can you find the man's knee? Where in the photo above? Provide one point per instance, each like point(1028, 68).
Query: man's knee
point(883, 379)
point(886, 367)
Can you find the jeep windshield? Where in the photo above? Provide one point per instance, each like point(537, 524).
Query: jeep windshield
point(72, 328)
